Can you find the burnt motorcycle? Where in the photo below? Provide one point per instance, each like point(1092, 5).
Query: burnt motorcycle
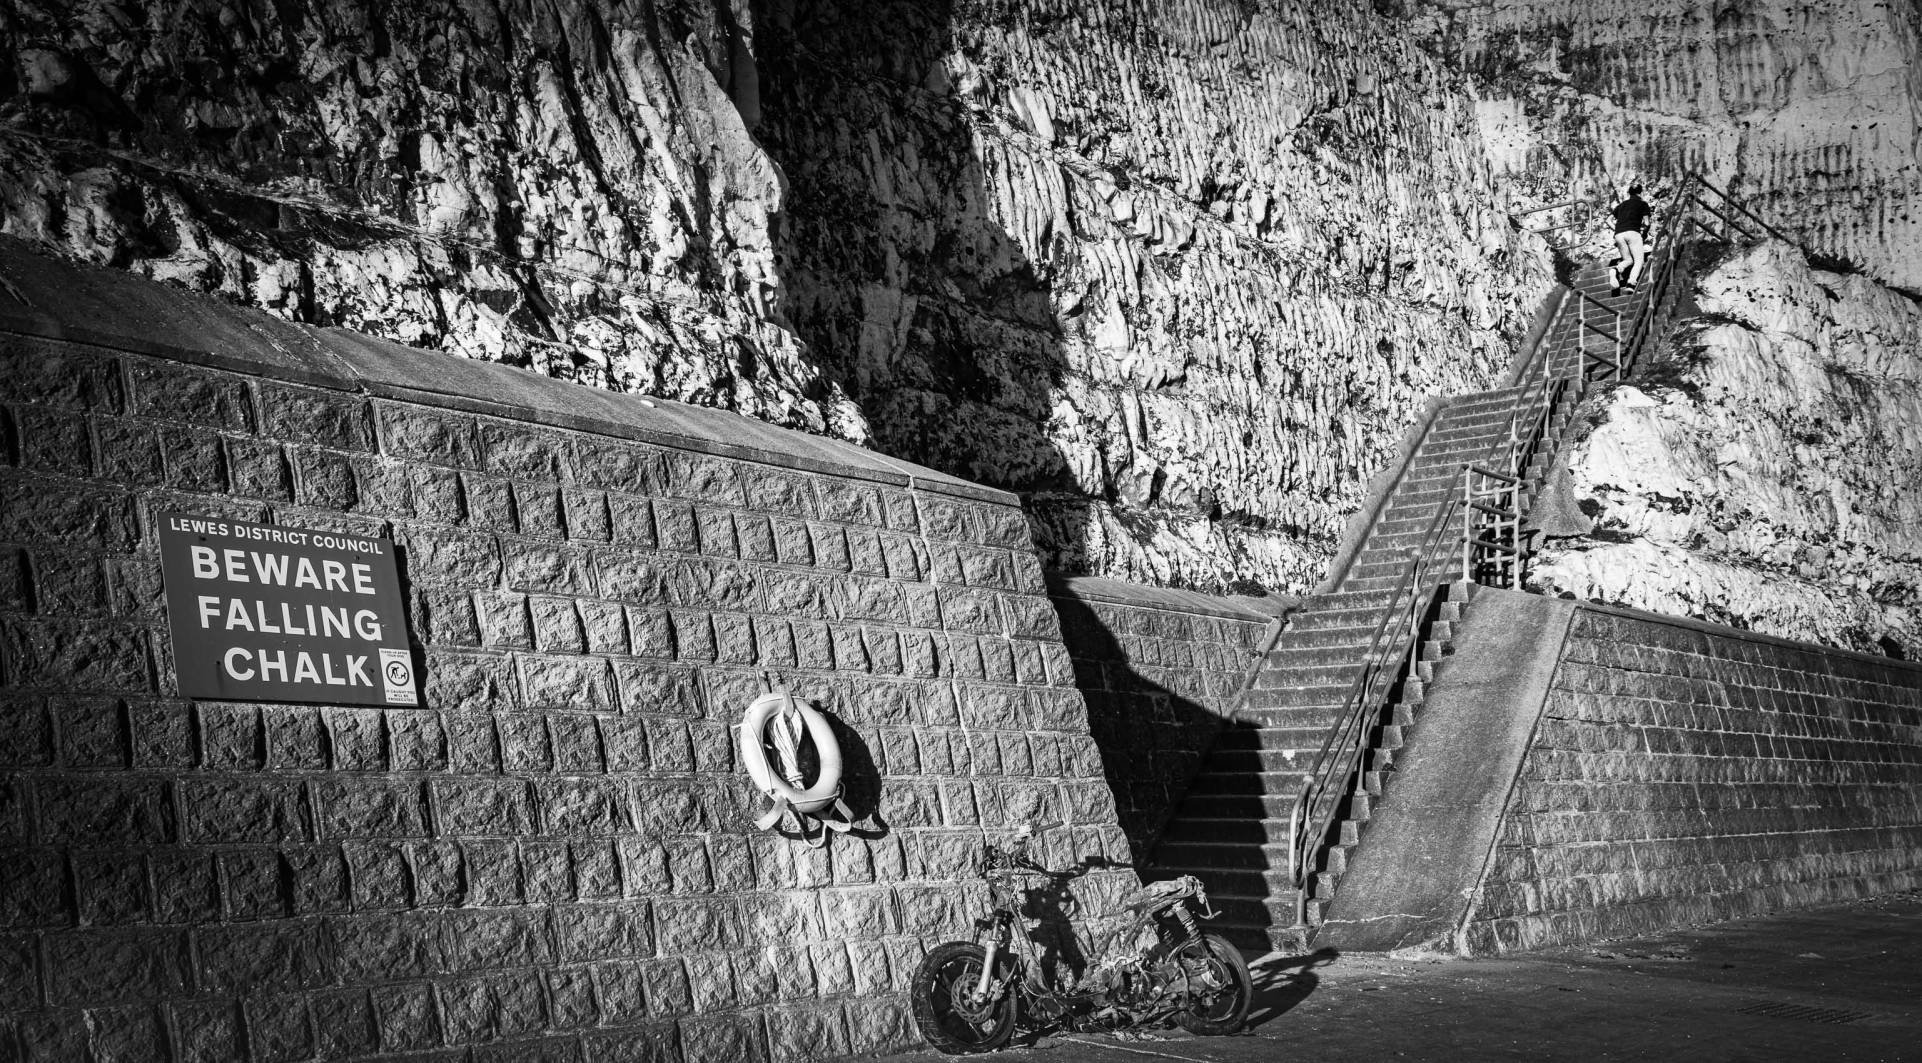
point(969, 995)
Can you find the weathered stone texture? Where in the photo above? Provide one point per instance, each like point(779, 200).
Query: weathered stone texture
point(1762, 473)
point(1179, 272)
point(553, 856)
point(1806, 112)
point(1684, 773)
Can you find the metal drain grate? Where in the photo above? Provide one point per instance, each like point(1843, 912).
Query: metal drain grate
point(1777, 1010)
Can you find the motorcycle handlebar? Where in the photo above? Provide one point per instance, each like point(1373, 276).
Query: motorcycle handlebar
point(1014, 859)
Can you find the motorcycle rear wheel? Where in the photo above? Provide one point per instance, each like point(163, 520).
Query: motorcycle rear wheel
point(947, 1018)
point(1223, 974)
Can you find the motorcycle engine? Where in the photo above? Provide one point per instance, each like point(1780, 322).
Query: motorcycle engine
point(1121, 982)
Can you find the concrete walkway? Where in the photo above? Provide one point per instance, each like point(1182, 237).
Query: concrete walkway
point(1835, 983)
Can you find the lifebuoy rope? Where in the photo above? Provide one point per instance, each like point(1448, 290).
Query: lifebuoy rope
point(780, 718)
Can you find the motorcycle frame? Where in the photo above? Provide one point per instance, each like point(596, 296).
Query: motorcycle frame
point(1004, 921)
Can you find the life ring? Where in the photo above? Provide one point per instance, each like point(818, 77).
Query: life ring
point(787, 715)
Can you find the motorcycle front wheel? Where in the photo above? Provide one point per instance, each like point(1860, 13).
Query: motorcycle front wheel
point(944, 1007)
point(1218, 984)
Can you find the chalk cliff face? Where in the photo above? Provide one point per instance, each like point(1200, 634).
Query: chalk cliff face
point(1810, 112)
point(1181, 272)
point(1773, 484)
point(1178, 272)
point(567, 186)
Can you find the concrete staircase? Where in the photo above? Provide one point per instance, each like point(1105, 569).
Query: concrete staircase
point(1232, 828)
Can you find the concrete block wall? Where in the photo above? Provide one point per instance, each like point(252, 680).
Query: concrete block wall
point(1160, 670)
point(1687, 773)
point(552, 857)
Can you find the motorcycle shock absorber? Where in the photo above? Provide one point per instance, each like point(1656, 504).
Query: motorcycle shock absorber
point(1187, 921)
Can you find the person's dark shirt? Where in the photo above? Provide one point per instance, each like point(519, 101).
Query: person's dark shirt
point(1632, 215)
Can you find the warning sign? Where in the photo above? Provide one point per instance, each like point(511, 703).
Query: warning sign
point(263, 613)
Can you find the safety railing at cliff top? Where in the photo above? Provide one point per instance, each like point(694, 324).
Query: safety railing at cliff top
point(1494, 515)
point(1492, 504)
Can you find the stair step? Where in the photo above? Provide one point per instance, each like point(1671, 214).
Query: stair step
point(1277, 677)
point(1467, 432)
point(1294, 758)
point(1482, 400)
point(1227, 832)
point(1245, 882)
point(1343, 620)
point(1228, 806)
point(1340, 601)
point(1202, 855)
point(1312, 714)
point(1381, 583)
point(1279, 697)
point(1288, 658)
point(1452, 454)
point(1390, 565)
point(1394, 560)
point(1215, 784)
point(1322, 886)
point(1271, 738)
point(1354, 636)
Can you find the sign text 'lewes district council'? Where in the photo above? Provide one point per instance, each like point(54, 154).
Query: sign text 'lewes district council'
point(264, 613)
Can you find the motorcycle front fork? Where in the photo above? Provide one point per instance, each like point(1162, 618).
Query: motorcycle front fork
point(996, 942)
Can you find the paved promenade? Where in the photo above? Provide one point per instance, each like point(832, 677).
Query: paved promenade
point(1831, 984)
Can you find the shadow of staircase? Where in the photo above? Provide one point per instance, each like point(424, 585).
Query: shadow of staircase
point(1288, 787)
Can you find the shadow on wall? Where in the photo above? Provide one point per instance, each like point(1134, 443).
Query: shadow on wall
point(893, 269)
point(890, 263)
point(1152, 739)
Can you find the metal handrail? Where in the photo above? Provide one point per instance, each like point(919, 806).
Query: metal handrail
point(1695, 177)
point(1340, 759)
point(1340, 755)
point(1726, 221)
point(1603, 307)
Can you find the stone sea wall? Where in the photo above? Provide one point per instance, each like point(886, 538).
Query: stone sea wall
point(1763, 473)
point(552, 857)
point(1160, 670)
point(1685, 773)
point(1177, 273)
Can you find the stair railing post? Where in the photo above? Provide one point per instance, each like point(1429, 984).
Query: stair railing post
point(1515, 533)
point(1581, 336)
point(1621, 371)
point(1468, 526)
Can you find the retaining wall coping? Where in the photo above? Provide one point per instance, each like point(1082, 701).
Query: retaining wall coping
point(61, 300)
point(1118, 592)
point(1724, 631)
